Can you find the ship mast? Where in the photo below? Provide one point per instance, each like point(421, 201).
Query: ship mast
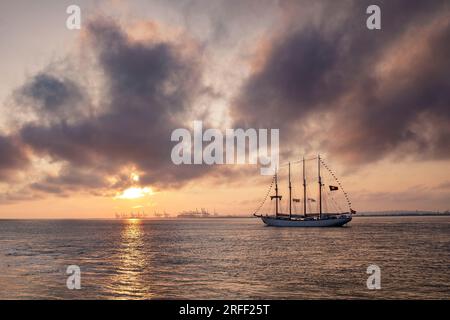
point(320, 188)
point(290, 193)
point(304, 188)
point(276, 196)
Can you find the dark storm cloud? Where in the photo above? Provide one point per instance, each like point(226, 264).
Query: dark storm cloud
point(325, 69)
point(12, 157)
point(149, 88)
point(47, 95)
point(71, 179)
point(292, 82)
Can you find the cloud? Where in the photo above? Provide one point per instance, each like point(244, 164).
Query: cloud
point(361, 95)
point(46, 96)
point(72, 179)
point(148, 89)
point(444, 185)
point(13, 157)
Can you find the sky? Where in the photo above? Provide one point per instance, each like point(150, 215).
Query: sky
point(86, 115)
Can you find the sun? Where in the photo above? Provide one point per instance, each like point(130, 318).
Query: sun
point(134, 193)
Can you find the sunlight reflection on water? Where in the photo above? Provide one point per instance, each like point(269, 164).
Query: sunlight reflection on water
point(224, 258)
point(127, 280)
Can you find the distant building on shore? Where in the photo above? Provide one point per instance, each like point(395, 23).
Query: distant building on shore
point(203, 213)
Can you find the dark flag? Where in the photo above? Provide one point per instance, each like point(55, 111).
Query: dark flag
point(296, 200)
point(333, 188)
point(311, 199)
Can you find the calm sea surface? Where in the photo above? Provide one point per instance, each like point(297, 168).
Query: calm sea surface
point(224, 258)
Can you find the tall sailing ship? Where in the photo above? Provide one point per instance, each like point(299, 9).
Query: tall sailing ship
point(307, 219)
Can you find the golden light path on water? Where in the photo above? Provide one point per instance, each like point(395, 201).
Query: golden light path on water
point(132, 263)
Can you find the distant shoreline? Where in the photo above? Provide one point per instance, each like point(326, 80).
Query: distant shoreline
point(403, 215)
point(357, 215)
point(362, 214)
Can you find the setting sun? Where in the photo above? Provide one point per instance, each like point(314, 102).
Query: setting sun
point(135, 193)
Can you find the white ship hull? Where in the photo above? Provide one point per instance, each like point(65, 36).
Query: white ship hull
point(326, 222)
